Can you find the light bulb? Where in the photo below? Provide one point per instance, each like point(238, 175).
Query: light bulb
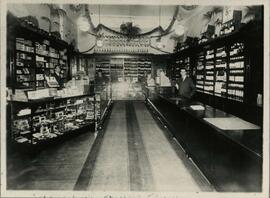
point(179, 29)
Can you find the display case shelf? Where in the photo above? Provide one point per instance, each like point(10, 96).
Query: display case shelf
point(50, 117)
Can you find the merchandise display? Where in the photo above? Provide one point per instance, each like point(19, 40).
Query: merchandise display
point(220, 72)
point(137, 67)
point(129, 68)
point(236, 72)
point(200, 72)
point(231, 21)
point(179, 62)
point(101, 96)
point(47, 119)
point(41, 109)
point(35, 60)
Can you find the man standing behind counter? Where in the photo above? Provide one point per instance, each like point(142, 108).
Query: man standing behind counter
point(185, 86)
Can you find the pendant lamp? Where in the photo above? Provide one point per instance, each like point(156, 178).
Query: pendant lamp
point(99, 41)
point(158, 41)
point(179, 29)
point(83, 23)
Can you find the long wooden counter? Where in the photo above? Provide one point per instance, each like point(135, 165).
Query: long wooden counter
point(229, 155)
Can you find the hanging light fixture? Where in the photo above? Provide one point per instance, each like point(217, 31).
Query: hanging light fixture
point(159, 43)
point(99, 41)
point(83, 23)
point(179, 29)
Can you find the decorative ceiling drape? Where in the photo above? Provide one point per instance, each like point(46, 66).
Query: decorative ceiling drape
point(157, 29)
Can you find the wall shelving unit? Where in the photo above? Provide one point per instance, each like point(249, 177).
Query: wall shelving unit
point(228, 70)
point(220, 71)
point(32, 55)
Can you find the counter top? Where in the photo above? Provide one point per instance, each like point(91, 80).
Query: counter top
point(49, 99)
point(246, 134)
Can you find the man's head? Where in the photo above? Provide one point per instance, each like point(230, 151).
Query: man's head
point(183, 72)
point(99, 72)
point(57, 69)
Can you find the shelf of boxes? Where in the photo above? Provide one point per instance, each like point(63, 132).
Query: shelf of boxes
point(135, 67)
point(34, 60)
point(236, 72)
point(63, 63)
point(34, 122)
point(200, 72)
point(221, 53)
point(209, 71)
point(180, 62)
point(104, 66)
point(24, 64)
point(131, 68)
point(221, 72)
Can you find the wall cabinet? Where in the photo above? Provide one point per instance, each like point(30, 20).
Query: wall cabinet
point(38, 109)
point(32, 57)
point(228, 71)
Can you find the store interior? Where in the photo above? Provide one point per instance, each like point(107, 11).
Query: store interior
point(106, 97)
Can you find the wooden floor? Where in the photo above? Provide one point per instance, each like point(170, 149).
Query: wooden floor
point(55, 168)
point(132, 153)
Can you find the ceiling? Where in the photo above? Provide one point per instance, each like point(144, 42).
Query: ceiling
point(147, 17)
point(132, 10)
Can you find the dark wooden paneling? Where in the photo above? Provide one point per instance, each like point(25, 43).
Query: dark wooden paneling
point(230, 160)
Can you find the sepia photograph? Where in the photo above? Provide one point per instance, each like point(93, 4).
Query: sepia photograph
point(118, 99)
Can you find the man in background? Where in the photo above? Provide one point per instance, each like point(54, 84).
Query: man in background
point(185, 86)
point(101, 78)
point(101, 81)
point(57, 76)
